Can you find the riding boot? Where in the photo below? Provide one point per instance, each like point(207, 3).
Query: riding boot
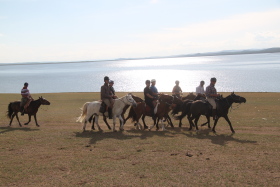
point(22, 110)
point(110, 113)
point(214, 114)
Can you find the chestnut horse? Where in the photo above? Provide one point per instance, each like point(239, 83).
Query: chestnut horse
point(31, 110)
point(163, 108)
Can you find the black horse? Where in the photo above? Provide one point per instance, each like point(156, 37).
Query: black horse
point(31, 110)
point(197, 108)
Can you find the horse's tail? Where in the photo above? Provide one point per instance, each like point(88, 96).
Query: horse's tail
point(84, 113)
point(10, 111)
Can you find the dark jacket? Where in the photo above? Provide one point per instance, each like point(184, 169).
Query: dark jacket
point(105, 92)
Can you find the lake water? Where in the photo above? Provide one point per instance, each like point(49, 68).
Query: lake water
point(240, 73)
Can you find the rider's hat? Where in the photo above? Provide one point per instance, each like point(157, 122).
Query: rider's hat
point(111, 81)
point(176, 81)
point(26, 84)
point(153, 80)
point(106, 78)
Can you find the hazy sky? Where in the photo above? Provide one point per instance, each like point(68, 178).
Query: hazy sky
point(73, 30)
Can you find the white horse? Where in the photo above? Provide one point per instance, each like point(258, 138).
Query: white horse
point(92, 108)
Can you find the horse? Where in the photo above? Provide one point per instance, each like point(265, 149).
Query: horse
point(179, 104)
point(92, 108)
point(136, 99)
point(198, 108)
point(31, 110)
point(144, 110)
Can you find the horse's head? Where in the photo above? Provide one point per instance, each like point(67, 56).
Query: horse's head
point(166, 98)
point(44, 101)
point(190, 96)
point(237, 98)
point(137, 99)
point(129, 100)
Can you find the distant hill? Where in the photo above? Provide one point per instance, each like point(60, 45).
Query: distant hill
point(235, 52)
point(225, 52)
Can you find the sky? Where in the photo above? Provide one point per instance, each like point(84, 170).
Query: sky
point(84, 30)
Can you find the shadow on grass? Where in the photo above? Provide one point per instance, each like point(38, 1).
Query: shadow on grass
point(121, 135)
point(215, 138)
point(11, 129)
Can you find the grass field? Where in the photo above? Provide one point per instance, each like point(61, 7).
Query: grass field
point(58, 153)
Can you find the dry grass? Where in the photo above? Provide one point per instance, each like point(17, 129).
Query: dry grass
point(58, 153)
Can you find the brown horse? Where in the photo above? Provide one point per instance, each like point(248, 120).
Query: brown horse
point(165, 102)
point(31, 110)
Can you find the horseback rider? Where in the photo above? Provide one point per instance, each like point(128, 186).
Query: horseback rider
point(177, 91)
point(112, 89)
point(200, 91)
point(148, 95)
point(211, 94)
point(106, 97)
point(154, 89)
point(26, 97)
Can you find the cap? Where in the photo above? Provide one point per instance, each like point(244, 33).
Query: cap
point(153, 80)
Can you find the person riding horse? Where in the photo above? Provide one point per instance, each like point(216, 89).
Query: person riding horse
point(112, 89)
point(177, 91)
point(106, 97)
point(200, 91)
point(26, 98)
point(211, 94)
point(148, 95)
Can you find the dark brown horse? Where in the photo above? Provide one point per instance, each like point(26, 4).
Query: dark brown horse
point(179, 104)
point(31, 110)
point(197, 108)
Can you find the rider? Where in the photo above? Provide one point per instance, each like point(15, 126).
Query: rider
point(211, 94)
point(200, 91)
point(111, 83)
point(106, 96)
point(177, 91)
point(148, 95)
point(154, 89)
point(26, 97)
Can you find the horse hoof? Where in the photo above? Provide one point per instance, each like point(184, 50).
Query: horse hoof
point(26, 124)
point(38, 125)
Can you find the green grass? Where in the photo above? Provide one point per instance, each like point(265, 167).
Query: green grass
point(58, 153)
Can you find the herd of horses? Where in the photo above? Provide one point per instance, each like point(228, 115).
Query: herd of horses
point(189, 106)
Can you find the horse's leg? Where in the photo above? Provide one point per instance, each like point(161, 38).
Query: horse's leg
point(84, 127)
point(208, 120)
point(152, 126)
point(227, 119)
point(29, 119)
point(105, 120)
point(157, 123)
point(195, 122)
point(143, 119)
point(180, 123)
point(121, 122)
point(93, 121)
point(170, 121)
point(114, 123)
point(96, 121)
point(36, 120)
point(215, 123)
point(190, 122)
point(162, 125)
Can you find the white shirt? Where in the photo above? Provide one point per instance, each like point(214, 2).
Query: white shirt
point(200, 90)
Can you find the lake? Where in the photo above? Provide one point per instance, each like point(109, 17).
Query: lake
point(239, 73)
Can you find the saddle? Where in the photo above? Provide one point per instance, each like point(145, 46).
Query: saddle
point(103, 107)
